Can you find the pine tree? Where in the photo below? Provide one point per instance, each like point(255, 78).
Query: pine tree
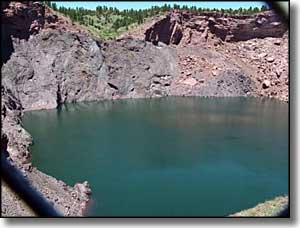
point(264, 8)
point(54, 6)
point(250, 10)
point(255, 10)
point(47, 3)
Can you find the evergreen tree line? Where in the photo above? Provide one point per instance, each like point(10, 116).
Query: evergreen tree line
point(130, 16)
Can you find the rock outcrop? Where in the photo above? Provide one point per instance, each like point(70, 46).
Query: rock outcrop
point(19, 20)
point(138, 69)
point(167, 30)
point(242, 28)
point(18, 138)
point(53, 67)
point(256, 44)
point(177, 25)
point(268, 61)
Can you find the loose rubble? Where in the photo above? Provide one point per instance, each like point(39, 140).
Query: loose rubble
point(257, 44)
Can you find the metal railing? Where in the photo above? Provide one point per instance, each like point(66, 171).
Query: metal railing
point(21, 186)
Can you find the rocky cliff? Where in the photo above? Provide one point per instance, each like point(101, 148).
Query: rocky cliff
point(54, 67)
point(256, 44)
point(18, 20)
point(49, 61)
point(178, 25)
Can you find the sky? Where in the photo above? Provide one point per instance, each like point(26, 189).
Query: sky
point(144, 5)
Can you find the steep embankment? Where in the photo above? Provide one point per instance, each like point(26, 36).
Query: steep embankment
point(50, 61)
point(213, 47)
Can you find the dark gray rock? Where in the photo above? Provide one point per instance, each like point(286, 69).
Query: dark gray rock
point(137, 69)
point(53, 68)
point(18, 139)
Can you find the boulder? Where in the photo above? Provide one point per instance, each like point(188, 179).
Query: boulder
point(262, 55)
point(214, 73)
point(270, 59)
point(190, 81)
point(277, 42)
point(266, 84)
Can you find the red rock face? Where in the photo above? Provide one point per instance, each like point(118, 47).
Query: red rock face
point(19, 20)
point(229, 28)
point(259, 26)
point(168, 30)
point(257, 44)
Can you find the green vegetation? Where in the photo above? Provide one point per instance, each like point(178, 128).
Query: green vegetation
point(109, 22)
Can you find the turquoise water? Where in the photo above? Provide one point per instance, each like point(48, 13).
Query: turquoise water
point(167, 157)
